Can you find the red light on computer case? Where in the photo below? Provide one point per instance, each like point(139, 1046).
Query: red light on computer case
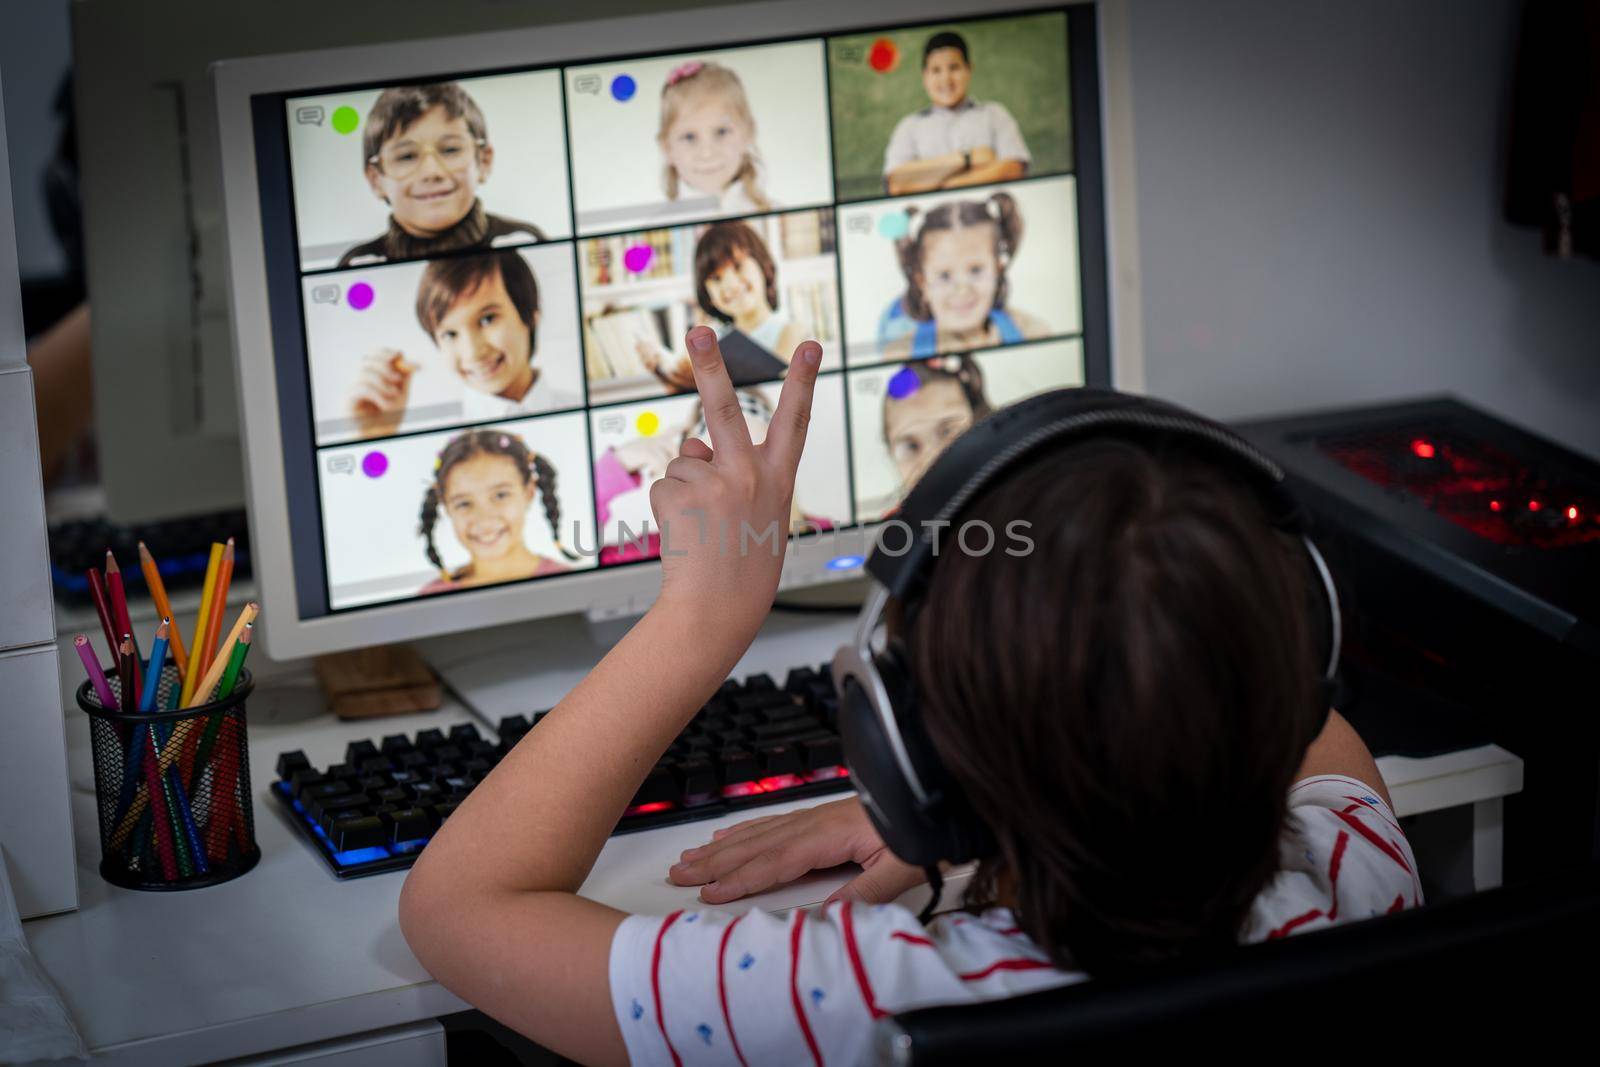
point(1572, 514)
point(1422, 449)
point(1494, 505)
point(1534, 505)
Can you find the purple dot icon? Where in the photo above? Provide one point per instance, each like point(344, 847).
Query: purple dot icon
point(360, 296)
point(373, 464)
point(637, 259)
point(904, 383)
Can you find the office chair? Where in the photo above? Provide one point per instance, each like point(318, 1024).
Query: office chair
point(1512, 968)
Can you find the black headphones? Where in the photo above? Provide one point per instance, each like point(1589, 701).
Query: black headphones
point(911, 798)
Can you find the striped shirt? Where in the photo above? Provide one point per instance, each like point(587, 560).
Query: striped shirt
point(701, 987)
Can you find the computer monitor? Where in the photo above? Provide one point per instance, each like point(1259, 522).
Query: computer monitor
point(461, 271)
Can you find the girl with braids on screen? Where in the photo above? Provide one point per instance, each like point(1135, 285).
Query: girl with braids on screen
point(485, 480)
point(955, 262)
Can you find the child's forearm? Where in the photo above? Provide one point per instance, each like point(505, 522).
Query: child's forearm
point(539, 820)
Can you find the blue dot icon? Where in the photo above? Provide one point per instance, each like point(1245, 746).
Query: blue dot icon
point(623, 87)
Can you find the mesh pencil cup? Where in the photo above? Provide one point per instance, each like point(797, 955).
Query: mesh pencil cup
point(172, 788)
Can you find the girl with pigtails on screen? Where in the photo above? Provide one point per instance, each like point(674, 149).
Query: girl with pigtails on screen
point(708, 139)
point(485, 481)
point(927, 405)
point(955, 258)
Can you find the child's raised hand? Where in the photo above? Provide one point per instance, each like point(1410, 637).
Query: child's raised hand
point(382, 389)
point(723, 510)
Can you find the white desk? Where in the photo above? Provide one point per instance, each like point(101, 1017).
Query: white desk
point(288, 955)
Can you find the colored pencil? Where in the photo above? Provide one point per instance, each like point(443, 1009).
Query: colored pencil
point(202, 691)
point(158, 593)
point(158, 656)
point(219, 606)
point(97, 675)
point(119, 615)
point(197, 665)
point(230, 678)
point(125, 682)
point(97, 592)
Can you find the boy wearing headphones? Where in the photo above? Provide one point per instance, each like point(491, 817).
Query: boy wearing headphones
point(1127, 728)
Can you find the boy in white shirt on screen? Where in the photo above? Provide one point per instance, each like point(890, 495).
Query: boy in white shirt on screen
point(1129, 709)
point(483, 314)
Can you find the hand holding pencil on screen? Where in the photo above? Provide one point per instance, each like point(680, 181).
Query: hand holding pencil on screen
point(382, 389)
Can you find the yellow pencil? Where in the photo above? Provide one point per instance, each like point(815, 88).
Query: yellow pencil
point(219, 662)
point(196, 668)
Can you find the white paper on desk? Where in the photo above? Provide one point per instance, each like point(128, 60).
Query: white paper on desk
point(34, 1024)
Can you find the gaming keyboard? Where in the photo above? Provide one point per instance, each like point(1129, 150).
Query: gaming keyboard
point(181, 547)
point(752, 744)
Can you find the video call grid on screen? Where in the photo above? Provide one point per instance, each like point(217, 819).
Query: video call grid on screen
point(435, 332)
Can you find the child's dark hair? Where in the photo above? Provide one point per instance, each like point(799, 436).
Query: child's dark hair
point(729, 242)
point(999, 211)
point(529, 463)
point(1127, 705)
point(399, 107)
point(962, 370)
point(446, 281)
point(946, 39)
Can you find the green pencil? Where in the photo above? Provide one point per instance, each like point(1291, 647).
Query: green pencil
point(230, 678)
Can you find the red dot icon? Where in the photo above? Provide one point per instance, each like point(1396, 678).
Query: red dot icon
point(883, 56)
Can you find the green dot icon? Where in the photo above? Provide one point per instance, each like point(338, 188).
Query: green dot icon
point(346, 119)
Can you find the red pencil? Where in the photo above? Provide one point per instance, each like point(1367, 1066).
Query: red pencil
point(97, 590)
point(119, 615)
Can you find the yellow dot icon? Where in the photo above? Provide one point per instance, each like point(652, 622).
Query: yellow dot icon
point(648, 424)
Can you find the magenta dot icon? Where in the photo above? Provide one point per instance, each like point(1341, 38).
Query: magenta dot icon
point(374, 463)
point(637, 259)
point(360, 296)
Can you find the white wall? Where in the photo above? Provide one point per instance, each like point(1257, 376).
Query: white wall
point(1319, 189)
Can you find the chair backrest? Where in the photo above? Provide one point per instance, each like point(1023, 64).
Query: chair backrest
point(1514, 964)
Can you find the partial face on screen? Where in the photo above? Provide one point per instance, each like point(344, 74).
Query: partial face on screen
point(920, 426)
point(959, 276)
point(429, 174)
point(706, 143)
point(946, 76)
point(487, 502)
point(739, 289)
point(486, 342)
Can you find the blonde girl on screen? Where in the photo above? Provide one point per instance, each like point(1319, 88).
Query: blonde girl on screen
point(708, 139)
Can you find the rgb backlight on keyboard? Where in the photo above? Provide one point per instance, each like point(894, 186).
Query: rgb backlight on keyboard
point(752, 744)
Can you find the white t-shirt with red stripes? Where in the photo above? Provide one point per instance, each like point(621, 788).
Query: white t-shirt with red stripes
point(700, 987)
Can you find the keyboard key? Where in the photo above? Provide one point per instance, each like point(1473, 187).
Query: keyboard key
point(513, 727)
point(429, 738)
point(394, 744)
point(289, 762)
point(408, 824)
point(823, 752)
point(779, 759)
point(358, 831)
point(356, 751)
point(464, 734)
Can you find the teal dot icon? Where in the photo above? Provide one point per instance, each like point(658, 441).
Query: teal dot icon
point(345, 119)
point(892, 225)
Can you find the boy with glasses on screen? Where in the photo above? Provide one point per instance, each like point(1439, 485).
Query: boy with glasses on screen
point(427, 151)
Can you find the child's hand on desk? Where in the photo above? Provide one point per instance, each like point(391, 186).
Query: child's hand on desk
point(723, 510)
point(379, 400)
point(776, 849)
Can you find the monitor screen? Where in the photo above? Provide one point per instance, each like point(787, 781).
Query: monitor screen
point(479, 285)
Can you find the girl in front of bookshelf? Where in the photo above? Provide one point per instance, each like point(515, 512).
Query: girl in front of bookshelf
point(927, 405)
point(955, 260)
point(708, 139)
point(736, 286)
point(485, 482)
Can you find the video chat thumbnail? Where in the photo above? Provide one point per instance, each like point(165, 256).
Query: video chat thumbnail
point(414, 170)
point(414, 516)
point(736, 131)
point(764, 284)
point(950, 105)
point(957, 271)
point(902, 416)
point(424, 345)
point(633, 443)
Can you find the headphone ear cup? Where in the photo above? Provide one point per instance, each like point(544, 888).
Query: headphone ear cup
point(886, 794)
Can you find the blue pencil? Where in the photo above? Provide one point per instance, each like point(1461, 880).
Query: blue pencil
point(152, 686)
point(152, 675)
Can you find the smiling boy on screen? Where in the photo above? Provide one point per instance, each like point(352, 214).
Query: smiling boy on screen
point(483, 314)
point(426, 150)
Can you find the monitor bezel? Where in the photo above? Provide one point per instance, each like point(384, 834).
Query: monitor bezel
point(599, 592)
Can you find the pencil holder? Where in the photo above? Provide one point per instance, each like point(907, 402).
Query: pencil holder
point(172, 788)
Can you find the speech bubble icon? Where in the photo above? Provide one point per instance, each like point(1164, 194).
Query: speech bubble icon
point(345, 464)
point(861, 223)
point(310, 116)
point(325, 294)
point(613, 424)
point(587, 83)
